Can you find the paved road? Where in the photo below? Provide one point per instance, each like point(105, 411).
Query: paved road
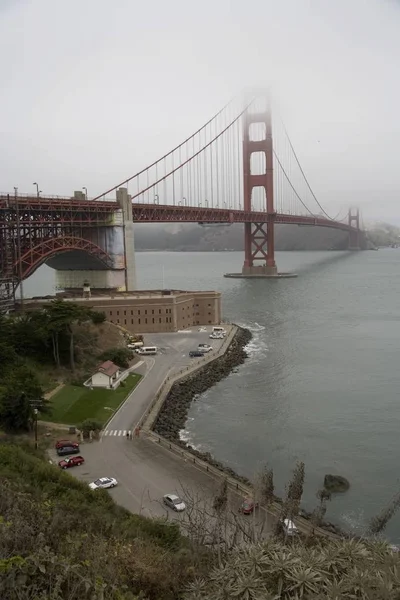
point(145, 471)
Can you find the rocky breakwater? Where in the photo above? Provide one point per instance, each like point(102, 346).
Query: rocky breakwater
point(173, 414)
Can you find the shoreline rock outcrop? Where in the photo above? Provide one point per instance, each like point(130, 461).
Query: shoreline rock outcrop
point(336, 484)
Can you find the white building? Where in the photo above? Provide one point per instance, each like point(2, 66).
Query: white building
point(106, 375)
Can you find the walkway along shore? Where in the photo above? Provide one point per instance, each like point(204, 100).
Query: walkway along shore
point(167, 415)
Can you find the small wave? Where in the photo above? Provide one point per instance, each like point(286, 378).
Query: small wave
point(355, 521)
point(185, 436)
point(254, 327)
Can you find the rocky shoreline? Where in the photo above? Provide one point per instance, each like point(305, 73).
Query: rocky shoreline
point(173, 415)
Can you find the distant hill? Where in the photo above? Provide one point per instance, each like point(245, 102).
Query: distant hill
point(195, 238)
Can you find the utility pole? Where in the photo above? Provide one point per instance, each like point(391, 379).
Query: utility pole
point(36, 428)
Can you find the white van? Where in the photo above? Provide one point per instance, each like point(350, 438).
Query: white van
point(135, 345)
point(147, 350)
point(219, 330)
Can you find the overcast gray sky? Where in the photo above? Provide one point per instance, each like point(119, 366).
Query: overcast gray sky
point(93, 90)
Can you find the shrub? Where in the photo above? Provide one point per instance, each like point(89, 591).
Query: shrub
point(97, 317)
point(91, 425)
point(119, 356)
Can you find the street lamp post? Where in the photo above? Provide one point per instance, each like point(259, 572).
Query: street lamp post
point(156, 199)
point(86, 196)
point(36, 432)
point(37, 189)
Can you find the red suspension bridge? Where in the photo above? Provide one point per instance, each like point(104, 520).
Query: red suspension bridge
point(240, 167)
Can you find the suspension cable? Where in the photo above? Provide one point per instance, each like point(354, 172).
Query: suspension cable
point(304, 175)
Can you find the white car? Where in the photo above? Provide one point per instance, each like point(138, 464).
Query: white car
point(289, 527)
point(174, 502)
point(204, 347)
point(103, 483)
point(216, 336)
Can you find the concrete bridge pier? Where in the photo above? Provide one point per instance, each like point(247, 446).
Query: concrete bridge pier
point(124, 200)
point(113, 235)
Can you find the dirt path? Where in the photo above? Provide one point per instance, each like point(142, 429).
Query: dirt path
point(50, 394)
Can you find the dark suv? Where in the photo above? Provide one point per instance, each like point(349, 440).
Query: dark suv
point(195, 353)
point(64, 450)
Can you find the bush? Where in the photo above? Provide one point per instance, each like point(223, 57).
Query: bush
point(91, 425)
point(119, 356)
point(58, 539)
point(97, 317)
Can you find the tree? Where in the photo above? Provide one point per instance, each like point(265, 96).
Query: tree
point(20, 396)
point(291, 504)
point(119, 356)
point(62, 315)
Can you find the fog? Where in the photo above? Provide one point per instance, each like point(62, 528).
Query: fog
point(93, 91)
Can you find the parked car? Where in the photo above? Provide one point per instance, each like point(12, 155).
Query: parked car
point(195, 353)
point(103, 483)
point(248, 506)
point(174, 502)
point(217, 336)
point(204, 348)
point(64, 450)
point(62, 443)
point(289, 527)
point(72, 461)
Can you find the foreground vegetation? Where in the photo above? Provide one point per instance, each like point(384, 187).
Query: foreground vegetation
point(41, 341)
point(74, 404)
point(61, 541)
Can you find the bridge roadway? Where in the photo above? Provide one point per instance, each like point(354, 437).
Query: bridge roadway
point(144, 469)
point(93, 213)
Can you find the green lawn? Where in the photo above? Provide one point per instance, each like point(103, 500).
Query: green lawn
point(73, 404)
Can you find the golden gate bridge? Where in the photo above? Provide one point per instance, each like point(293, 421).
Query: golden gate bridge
point(240, 167)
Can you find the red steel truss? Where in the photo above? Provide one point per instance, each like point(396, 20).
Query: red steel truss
point(33, 229)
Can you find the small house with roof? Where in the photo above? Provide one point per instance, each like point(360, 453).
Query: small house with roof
point(106, 375)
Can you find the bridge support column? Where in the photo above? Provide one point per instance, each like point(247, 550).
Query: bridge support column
point(259, 254)
point(354, 229)
point(124, 200)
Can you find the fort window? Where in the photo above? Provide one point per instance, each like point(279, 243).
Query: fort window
point(117, 314)
point(145, 321)
point(125, 314)
point(153, 319)
point(139, 321)
point(159, 320)
point(132, 314)
point(145, 312)
point(138, 312)
point(152, 312)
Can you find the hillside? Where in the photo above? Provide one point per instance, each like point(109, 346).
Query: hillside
point(61, 541)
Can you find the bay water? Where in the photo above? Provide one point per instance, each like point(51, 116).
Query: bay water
point(321, 383)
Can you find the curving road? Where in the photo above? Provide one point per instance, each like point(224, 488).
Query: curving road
point(145, 470)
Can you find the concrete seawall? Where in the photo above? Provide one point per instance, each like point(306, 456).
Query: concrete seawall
point(165, 431)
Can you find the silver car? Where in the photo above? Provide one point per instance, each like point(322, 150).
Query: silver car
point(103, 483)
point(174, 502)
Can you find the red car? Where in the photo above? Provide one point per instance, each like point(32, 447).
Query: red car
point(71, 461)
point(62, 443)
point(248, 505)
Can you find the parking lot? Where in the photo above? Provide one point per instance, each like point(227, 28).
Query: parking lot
point(144, 470)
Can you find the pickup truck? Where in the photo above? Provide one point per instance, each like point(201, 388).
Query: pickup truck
point(72, 461)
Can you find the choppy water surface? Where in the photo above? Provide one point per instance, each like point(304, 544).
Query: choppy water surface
point(322, 380)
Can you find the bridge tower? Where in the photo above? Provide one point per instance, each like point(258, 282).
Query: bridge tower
point(259, 256)
point(354, 229)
